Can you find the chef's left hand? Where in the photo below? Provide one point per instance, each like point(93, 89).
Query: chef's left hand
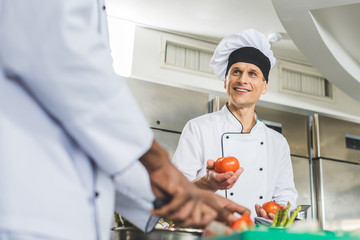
point(262, 213)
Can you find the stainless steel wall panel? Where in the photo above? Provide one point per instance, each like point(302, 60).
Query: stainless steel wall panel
point(168, 107)
point(338, 194)
point(331, 139)
point(168, 140)
point(301, 167)
point(217, 103)
point(294, 128)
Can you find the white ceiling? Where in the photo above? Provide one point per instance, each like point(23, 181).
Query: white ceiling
point(211, 18)
point(325, 31)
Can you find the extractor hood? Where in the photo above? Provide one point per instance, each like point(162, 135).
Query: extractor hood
point(327, 33)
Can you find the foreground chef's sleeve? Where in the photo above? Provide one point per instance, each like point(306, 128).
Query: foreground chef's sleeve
point(134, 197)
point(58, 51)
point(189, 157)
point(285, 188)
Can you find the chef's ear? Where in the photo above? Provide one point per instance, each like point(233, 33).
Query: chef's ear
point(265, 88)
point(225, 82)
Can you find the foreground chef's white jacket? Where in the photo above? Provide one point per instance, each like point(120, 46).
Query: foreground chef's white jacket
point(69, 127)
point(263, 153)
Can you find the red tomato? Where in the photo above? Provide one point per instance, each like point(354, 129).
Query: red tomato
point(271, 207)
point(226, 164)
point(242, 224)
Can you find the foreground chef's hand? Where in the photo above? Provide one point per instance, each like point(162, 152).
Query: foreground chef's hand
point(190, 206)
point(224, 207)
point(221, 181)
point(187, 206)
point(260, 212)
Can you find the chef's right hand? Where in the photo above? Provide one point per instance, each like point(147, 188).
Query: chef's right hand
point(189, 205)
point(221, 181)
point(224, 207)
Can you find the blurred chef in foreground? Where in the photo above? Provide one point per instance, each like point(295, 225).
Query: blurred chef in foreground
point(243, 62)
point(71, 133)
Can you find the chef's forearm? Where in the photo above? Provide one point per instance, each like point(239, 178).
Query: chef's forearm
point(155, 158)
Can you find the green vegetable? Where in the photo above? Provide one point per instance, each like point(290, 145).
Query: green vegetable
point(166, 223)
point(117, 220)
point(282, 219)
point(281, 215)
point(293, 216)
point(278, 212)
point(285, 217)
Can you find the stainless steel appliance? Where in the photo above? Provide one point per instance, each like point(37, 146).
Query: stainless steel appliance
point(295, 129)
point(336, 158)
point(167, 109)
point(132, 233)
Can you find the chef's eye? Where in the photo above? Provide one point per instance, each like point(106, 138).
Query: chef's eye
point(236, 72)
point(252, 74)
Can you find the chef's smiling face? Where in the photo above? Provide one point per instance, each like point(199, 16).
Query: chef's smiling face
point(244, 85)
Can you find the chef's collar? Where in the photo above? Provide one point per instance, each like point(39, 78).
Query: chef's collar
point(236, 122)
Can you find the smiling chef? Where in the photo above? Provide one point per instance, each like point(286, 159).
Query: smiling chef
point(243, 62)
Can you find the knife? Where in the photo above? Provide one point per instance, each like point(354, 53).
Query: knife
point(160, 202)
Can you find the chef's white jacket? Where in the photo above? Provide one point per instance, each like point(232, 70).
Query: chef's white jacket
point(69, 127)
point(263, 153)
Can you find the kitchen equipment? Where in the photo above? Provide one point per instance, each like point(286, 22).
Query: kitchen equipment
point(300, 216)
point(167, 109)
point(132, 233)
point(303, 213)
point(263, 221)
point(336, 159)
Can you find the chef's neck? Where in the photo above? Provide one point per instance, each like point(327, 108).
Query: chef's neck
point(246, 115)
